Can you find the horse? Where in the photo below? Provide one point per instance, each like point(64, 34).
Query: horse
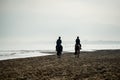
point(77, 50)
point(59, 50)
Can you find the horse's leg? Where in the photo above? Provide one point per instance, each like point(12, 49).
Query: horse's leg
point(78, 54)
point(59, 54)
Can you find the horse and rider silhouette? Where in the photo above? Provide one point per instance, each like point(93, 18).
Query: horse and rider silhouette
point(77, 47)
point(59, 47)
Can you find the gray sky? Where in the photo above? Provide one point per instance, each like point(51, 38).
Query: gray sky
point(35, 20)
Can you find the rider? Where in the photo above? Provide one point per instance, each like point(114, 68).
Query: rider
point(77, 41)
point(59, 41)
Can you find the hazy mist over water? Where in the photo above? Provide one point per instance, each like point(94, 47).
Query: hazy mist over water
point(67, 45)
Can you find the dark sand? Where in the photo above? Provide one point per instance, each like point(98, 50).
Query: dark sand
point(97, 65)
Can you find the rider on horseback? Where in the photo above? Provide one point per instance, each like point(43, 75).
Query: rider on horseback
point(77, 46)
point(59, 41)
point(77, 41)
point(59, 47)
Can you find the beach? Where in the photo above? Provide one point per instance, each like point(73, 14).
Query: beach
point(91, 65)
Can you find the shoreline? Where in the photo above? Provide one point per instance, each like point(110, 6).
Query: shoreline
point(49, 52)
point(97, 65)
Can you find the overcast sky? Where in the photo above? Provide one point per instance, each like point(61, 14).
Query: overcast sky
point(35, 20)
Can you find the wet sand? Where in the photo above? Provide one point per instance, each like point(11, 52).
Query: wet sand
point(97, 65)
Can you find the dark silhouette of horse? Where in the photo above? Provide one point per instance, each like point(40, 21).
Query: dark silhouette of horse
point(59, 50)
point(77, 50)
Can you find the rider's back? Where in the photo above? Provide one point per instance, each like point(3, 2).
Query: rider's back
point(77, 41)
point(58, 42)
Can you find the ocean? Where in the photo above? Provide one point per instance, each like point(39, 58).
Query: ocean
point(38, 49)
